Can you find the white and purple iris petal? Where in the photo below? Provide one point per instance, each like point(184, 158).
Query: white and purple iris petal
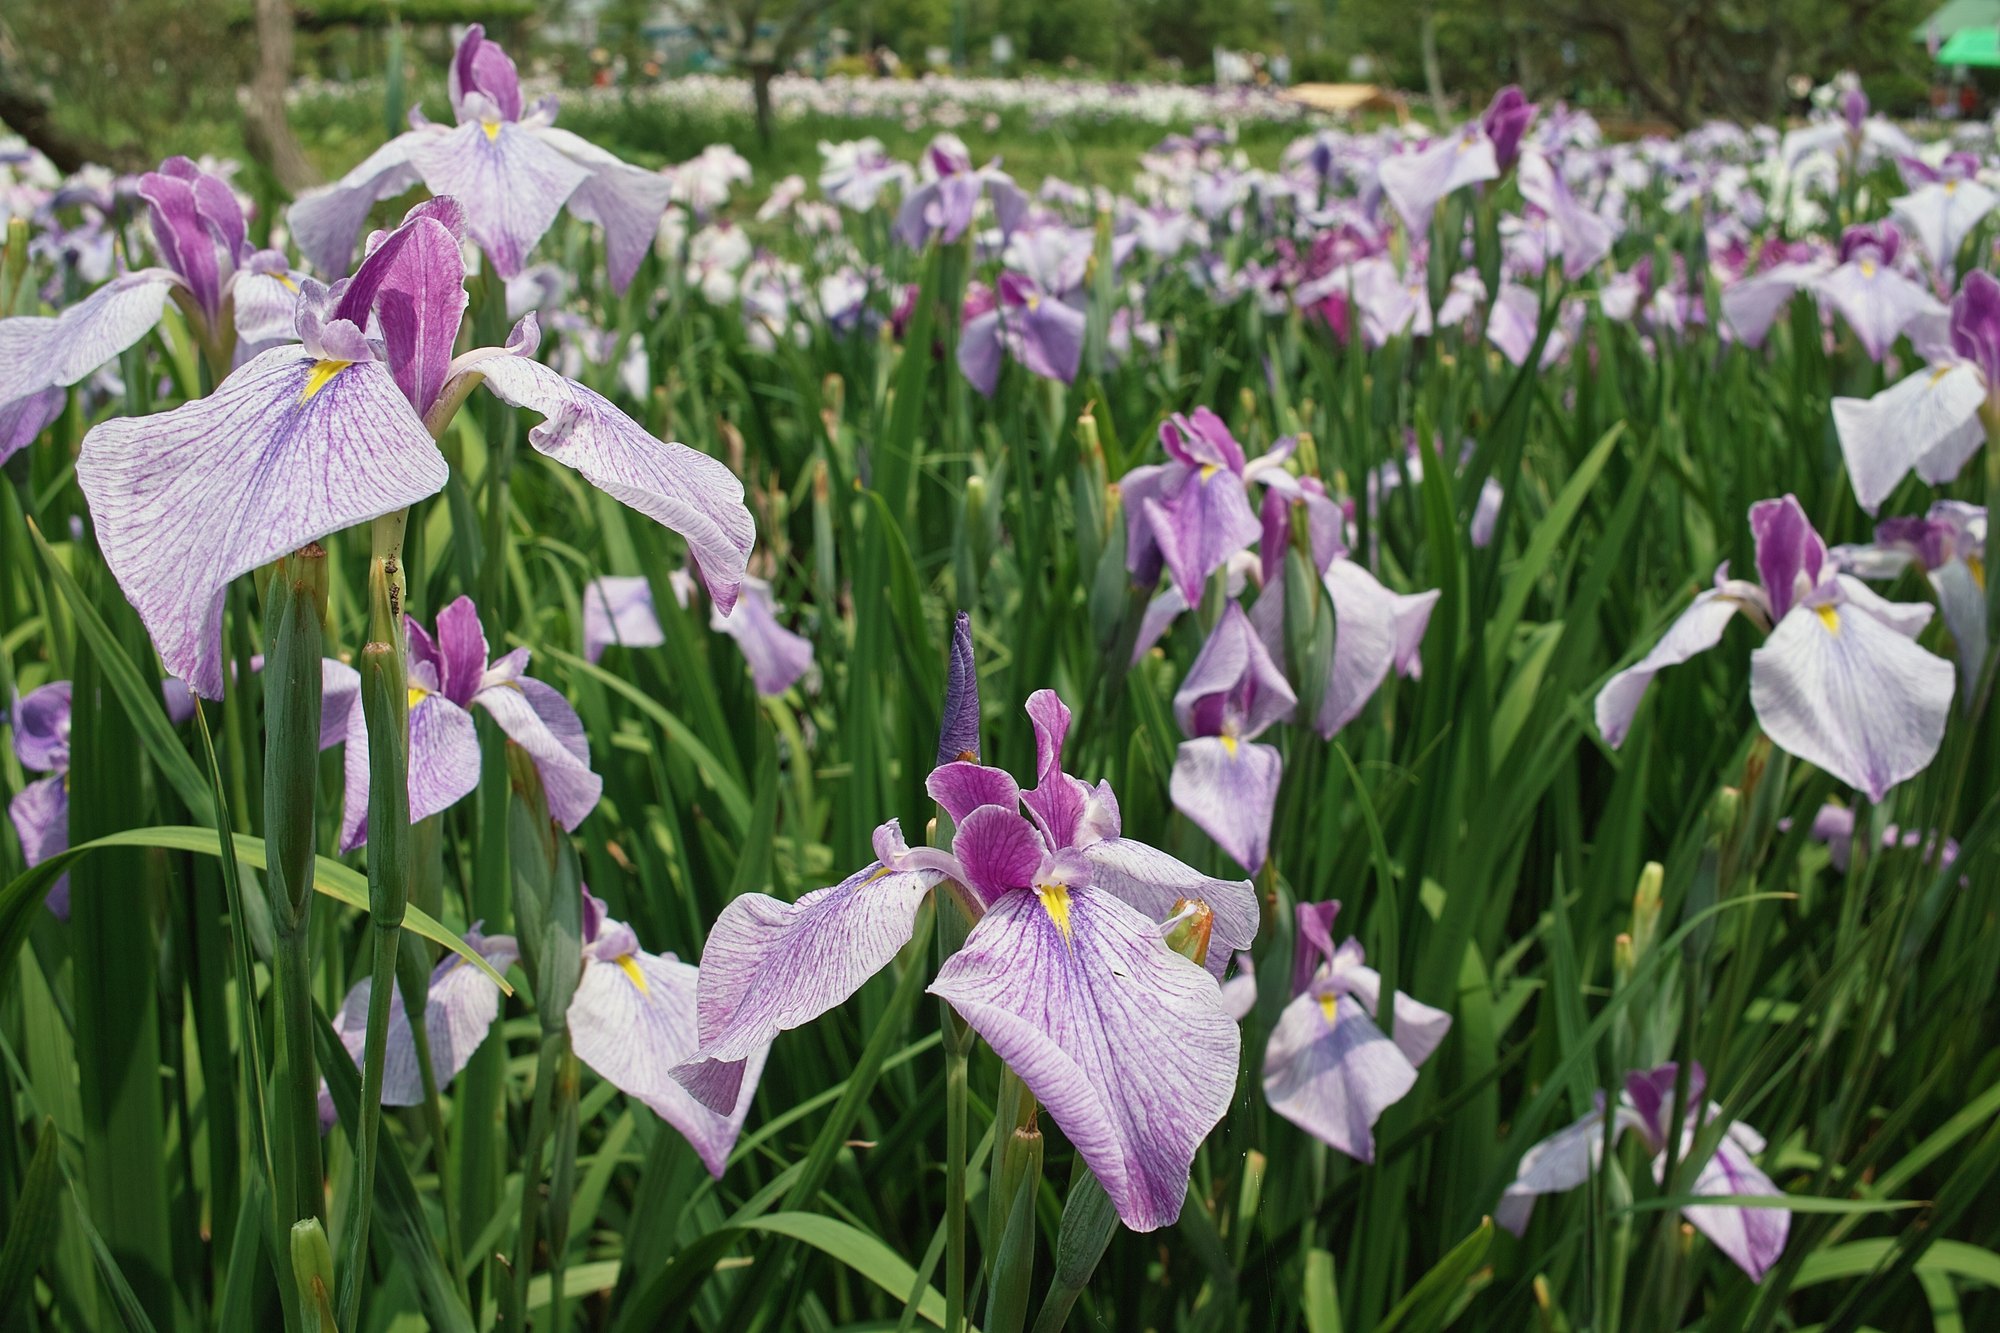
point(40, 810)
point(1878, 301)
point(1222, 780)
point(1416, 181)
point(618, 609)
point(1949, 545)
point(1192, 512)
point(778, 658)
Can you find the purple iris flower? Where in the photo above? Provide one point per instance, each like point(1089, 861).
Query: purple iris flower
point(1949, 545)
point(509, 166)
point(1853, 138)
point(1163, 231)
point(631, 1020)
point(231, 292)
point(1328, 1067)
point(1505, 120)
point(1753, 302)
point(1066, 973)
point(306, 440)
point(1752, 1237)
point(1192, 512)
point(620, 610)
point(1840, 682)
point(1943, 206)
point(1834, 826)
point(943, 205)
point(854, 174)
point(40, 810)
point(449, 675)
point(1224, 783)
point(1877, 301)
point(1580, 235)
point(1415, 182)
point(1018, 318)
point(1928, 422)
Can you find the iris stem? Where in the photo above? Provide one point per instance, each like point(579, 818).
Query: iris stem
point(385, 706)
point(955, 1062)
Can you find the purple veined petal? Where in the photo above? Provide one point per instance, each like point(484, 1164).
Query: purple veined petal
point(38, 354)
point(461, 651)
point(1933, 414)
point(1962, 601)
point(1585, 237)
point(266, 308)
point(772, 966)
point(510, 181)
point(632, 1021)
point(1752, 304)
point(443, 758)
point(1790, 554)
point(41, 724)
point(1000, 850)
point(1202, 439)
point(1419, 1028)
point(1199, 520)
point(1135, 489)
point(1513, 322)
point(1846, 693)
point(1906, 618)
point(1556, 1165)
point(1239, 993)
point(1229, 788)
point(285, 451)
point(1695, 630)
point(506, 669)
point(1329, 1070)
point(327, 221)
point(1416, 182)
point(183, 237)
point(458, 1014)
point(979, 351)
point(40, 812)
point(24, 418)
point(777, 657)
point(1942, 215)
point(1877, 302)
point(695, 495)
point(1752, 1237)
point(619, 610)
point(414, 283)
point(1649, 1095)
point(537, 718)
point(1151, 882)
point(1233, 688)
point(962, 787)
point(339, 697)
point(1375, 635)
point(481, 66)
point(958, 729)
point(1125, 1042)
point(625, 200)
point(1050, 334)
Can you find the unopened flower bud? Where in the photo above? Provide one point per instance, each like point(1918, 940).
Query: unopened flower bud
point(1646, 906)
point(1188, 936)
point(312, 1267)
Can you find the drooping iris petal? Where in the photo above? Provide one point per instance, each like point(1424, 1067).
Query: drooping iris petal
point(443, 759)
point(26, 417)
point(1379, 630)
point(1752, 1237)
point(1941, 215)
point(1557, 1164)
point(1329, 1070)
point(1229, 788)
point(541, 721)
point(632, 1020)
point(1048, 332)
point(510, 181)
point(326, 222)
point(339, 695)
point(1125, 1042)
point(1419, 1028)
point(1199, 519)
point(1695, 630)
point(1150, 881)
point(40, 812)
point(1239, 993)
point(1928, 421)
point(1416, 182)
point(41, 725)
point(1753, 303)
point(1848, 694)
point(285, 451)
point(625, 200)
point(619, 610)
point(771, 966)
point(1963, 602)
point(777, 657)
point(458, 1014)
point(980, 347)
point(1585, 237)
point(38, 354)
point(1877, 302)
point(695, 495)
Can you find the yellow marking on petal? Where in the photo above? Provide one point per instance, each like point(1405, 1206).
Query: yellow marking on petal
point(1328, 1004)
point(1229, 744)
point(417, 695)
point(1055, 901)
point(1937, 375)
point(1829, 618)
point(1208, 470)
point(880, 872)
point(492, 128)
point(1951, 187)
point(631, 969)
point(1867, 268)
point(286, 278)
point(1978, 568)
point(322, 375)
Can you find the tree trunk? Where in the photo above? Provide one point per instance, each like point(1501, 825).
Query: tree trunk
point(266, 131)
point(761, 74)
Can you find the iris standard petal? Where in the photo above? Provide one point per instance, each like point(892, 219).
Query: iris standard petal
point(1151, 882)
point(1329, 1070)
point(41, 726)
point(625, 200)
point(999, 849)
point(1125, 1042)
point(1376, 628)
point(541, 721)
point(1790, 554)
point(1931, 415)
point(285, 451)
point(1229, 788)
point(1415, 182)
point(695, 495)
point(632, 1020)
point(1419, 1028)
point(511, 183)
point(772, 966)
point(1839, 689)
point(1695, 630)
point(962, 787)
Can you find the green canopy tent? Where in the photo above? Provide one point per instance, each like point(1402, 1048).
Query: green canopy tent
point(1955, 17)
point(1972, 46)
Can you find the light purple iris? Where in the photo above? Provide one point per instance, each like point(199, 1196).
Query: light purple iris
point(1222, 781)
point(231, 292)
point(1416, 181)
point(1834, 826)
point(855, 173)
point(508, 165)
point(1577, 233)
point(1928, 422)
point(620, 610)
point(1018, 318)
point(943, 205)
point(1752, 1237)
point(1949, 545)
point(1506, 118)
point(1877, 300)
point(1840, 682)
point(1066, 973)
point(1755, 299)
point(302, 441)
point(1192, 512)
point(1943, 206)
point(449, 675)
point(631, 1021)
point(1328, 1067)
point(40, 810)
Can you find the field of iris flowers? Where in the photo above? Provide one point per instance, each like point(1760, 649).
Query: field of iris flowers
point(1394, 743)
